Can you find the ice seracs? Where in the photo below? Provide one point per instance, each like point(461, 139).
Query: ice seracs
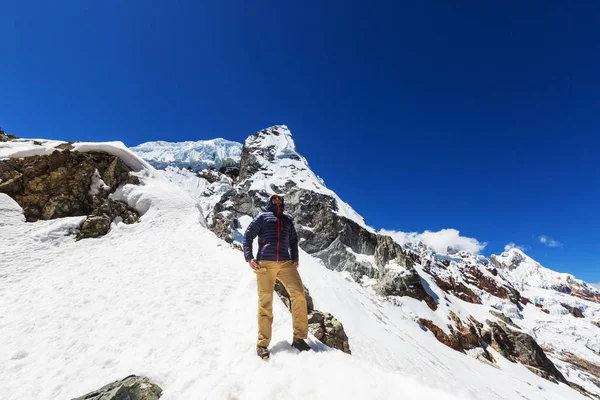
point(194, 155)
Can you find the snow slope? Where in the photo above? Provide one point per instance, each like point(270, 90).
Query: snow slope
point(167, 299)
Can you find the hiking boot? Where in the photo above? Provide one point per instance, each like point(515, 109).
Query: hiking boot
point(262, 352)
point(300, 344)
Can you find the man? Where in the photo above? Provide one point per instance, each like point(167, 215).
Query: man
point(277, 258)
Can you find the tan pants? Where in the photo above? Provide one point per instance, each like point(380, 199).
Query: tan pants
point(290, 278)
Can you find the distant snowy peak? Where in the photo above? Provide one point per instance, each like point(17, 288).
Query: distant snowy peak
point(270, 156)
point(522, 269)
point(270, 162)
point(197, 155)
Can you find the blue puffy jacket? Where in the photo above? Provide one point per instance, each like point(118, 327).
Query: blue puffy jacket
point(277, 239)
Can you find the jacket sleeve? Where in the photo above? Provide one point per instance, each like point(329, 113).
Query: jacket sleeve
point(249, 236)
point(293, 243)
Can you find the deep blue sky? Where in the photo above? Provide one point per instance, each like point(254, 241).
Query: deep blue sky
point(480, 116)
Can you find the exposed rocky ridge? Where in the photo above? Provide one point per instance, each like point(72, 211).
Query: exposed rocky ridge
point(521, 347)
point(322, 325)
point(465, 275)
point(131, 388)
point(515, 346)
point(69, 183)
point(5, 137)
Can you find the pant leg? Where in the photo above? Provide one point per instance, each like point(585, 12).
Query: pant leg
point(290, 278)
point(265, 283)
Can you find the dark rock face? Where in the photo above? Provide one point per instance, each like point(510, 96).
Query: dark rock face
point(519, 346)
point(504, 318)
point(322, 325)
point(470, 272)
point(5, 137)
point(440, 335)
point(131, 388)
point(99, 222)
point(61, 185)
point(573, 310)
point(513, 345)
point(326, 328)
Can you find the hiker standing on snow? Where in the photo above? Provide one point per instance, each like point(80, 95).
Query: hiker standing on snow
point(277, 258)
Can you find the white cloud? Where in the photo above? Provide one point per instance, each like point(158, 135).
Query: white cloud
point(512, 245)
point(438, 241)
point(549, 242)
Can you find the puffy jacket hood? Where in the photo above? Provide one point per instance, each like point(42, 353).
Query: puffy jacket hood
point(273, 208)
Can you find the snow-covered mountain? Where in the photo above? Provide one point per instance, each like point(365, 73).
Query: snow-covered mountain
point(198, 155)
point(523, 270)
point(169, 299)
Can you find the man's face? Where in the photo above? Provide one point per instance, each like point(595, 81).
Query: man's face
point(276, 200)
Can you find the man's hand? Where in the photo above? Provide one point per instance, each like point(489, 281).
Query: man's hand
point(296, 263)
point(253, 264)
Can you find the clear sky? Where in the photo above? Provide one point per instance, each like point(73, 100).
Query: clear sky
point(423, 115)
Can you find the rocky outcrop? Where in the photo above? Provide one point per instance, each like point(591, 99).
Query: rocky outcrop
point(518, 346)
point(69, 183)
point(5, 137)
point(515, 346)
point(573, 310)
point(504, 318)
point(322, 325)
point(131, 388)
point(99, 222)
point(462, 272)
point(326, 328)
point(440, 335)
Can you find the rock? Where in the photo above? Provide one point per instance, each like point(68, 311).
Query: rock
point(285, 297)
point(65, 146)
point(504, 318)
point(58, 185)
point(94, 227)
point(466, 334)
point(457, 288)
point(98, 223)
point(326, 328)
point(131, 388)
point(323, 326)
point(573, 310)
point(5, 137)
point(449, 340)
point(519, 346)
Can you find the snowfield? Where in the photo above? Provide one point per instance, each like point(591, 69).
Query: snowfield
point(165, 298)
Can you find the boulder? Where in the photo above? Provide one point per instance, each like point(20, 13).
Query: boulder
point(98, 223)
point(518, 346)
point(131, 388)
point(322, 325)
point(326, 328)
point(573, 310)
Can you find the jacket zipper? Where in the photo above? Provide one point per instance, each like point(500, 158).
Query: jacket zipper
point(278, 234)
